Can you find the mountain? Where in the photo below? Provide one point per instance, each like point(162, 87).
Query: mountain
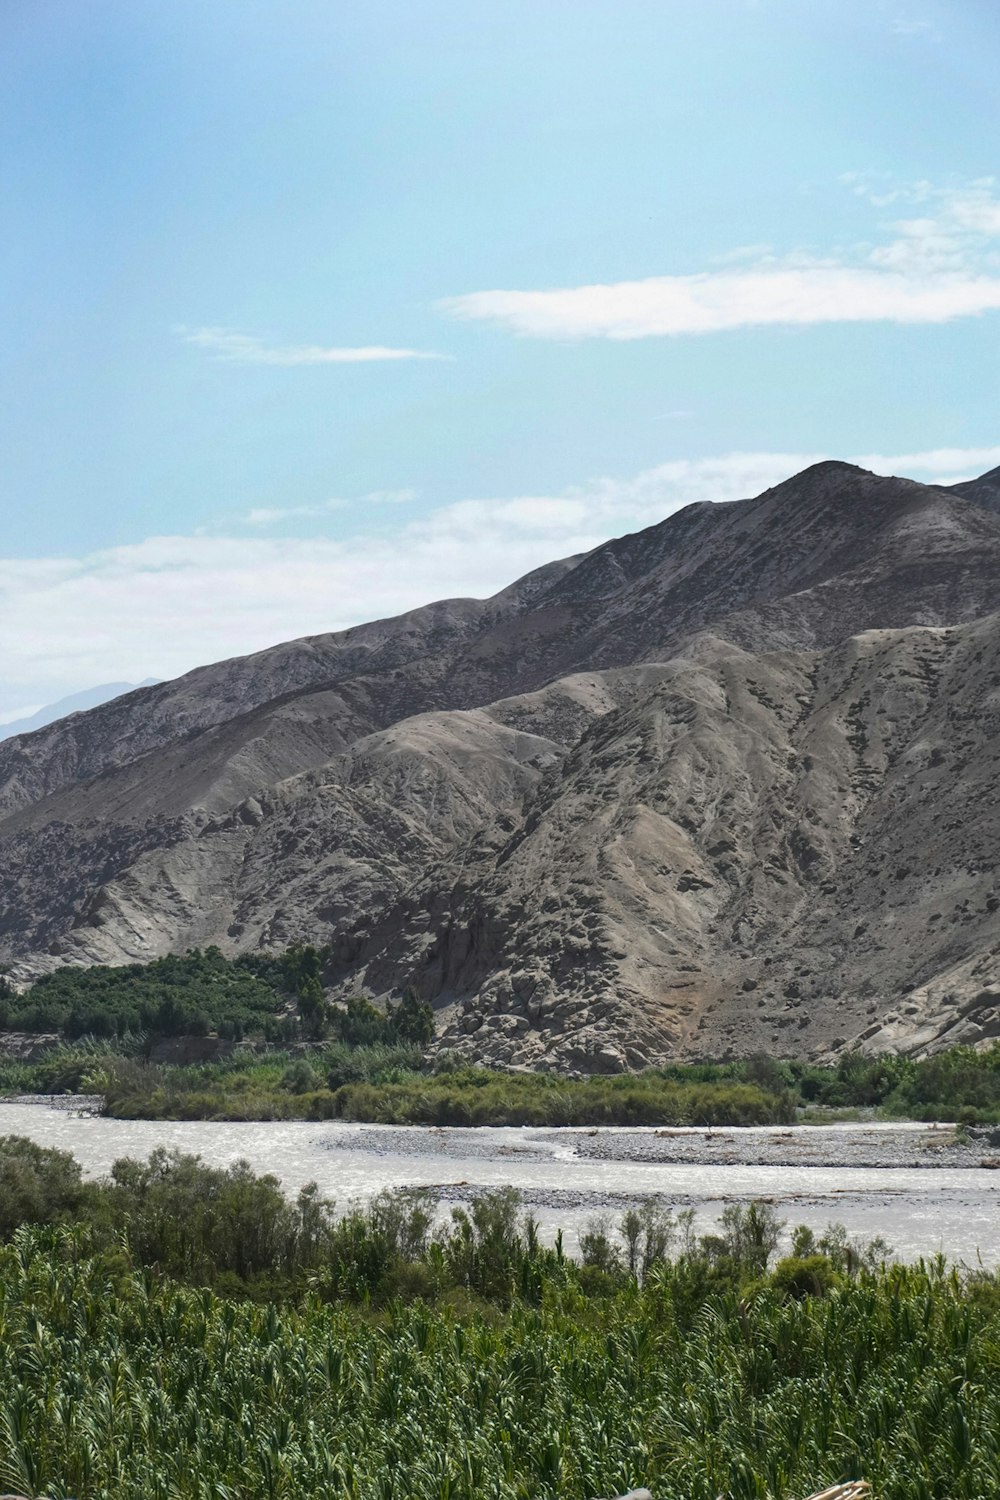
point(726, 785)
point(984, 491)
point(74, 704)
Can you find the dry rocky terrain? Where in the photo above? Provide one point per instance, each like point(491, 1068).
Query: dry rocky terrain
point(727, 785)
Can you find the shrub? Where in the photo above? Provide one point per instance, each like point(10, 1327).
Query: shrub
point(804, 1276)
point(38, 1185)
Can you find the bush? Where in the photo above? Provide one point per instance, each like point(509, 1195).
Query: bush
point(198, 1221)
point(804, 1276)
point(299, 1078)
point(38, 1185)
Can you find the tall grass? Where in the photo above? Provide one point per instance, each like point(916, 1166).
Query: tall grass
point(117, 1384)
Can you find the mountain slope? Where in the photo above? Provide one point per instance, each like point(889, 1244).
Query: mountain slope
point(774, 852)
point(654, 799)
point(984, 491)
point(76, 703)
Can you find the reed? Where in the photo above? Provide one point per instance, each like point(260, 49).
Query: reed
point(120, 1384)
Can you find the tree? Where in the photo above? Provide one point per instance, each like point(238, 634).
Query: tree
point(37, 1184)
point(412, 1020)
point(313, 1007)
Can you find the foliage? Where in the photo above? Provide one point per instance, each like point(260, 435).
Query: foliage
point(276, 996)
point(275, 1085)
point(956, 1084)
point(412, 1020)
point(199, 1222)
point(124, 1384)
point(180, 995)
point(383, 1084)
point(805, 1275)
point(360, 1024)
point(38, 1185)
point(202, 1224)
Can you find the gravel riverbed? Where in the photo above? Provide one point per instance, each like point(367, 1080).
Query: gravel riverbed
point(847, 1145)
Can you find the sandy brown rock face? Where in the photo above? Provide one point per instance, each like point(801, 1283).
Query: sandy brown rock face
point(775, 853)
point(726, 785)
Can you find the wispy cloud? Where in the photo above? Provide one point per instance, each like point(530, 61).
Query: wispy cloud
point(166, 604)
point(912, 26)
point(244, 349)
point(932, 463)
point(940, 265)
point(274, 515)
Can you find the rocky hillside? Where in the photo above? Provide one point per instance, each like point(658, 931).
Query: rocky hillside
point(728, 784)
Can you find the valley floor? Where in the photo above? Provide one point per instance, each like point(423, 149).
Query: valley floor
point(920, 1188)
point(177, 1330)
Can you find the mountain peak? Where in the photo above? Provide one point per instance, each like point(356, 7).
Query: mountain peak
point(984, 491)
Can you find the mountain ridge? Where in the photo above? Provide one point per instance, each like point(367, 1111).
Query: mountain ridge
point(80, 702)
point(482, 798)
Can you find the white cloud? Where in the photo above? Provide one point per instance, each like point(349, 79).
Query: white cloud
point(274, 515)
point(905, 26)
point(169, 603)
point(932, 268)
point(266, 515)
point(935, 463)
point(390, 497)
point(714, 302)
point(243, 349)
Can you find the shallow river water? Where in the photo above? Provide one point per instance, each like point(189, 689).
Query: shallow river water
point(907, 1183)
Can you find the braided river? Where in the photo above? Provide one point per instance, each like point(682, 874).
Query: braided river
point(916, 1186)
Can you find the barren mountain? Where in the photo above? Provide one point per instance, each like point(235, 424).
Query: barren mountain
point(75, 703)
point(984, 491)
point(729, 784)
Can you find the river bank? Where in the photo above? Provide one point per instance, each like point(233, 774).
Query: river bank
point(918, 1187)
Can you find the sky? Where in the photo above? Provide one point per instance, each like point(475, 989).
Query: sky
point(314, 312)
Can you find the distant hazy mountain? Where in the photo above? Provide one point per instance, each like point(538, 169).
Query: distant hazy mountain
point(731, 784)
point(74, 704)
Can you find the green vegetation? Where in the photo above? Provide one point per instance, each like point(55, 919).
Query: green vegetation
point(362, 1063)
point(190, 994)
point(959, 1084)
point(389, 1081)
point(385, 1085)
point(228, 1227)
point(276, 997)
point(179, 1332)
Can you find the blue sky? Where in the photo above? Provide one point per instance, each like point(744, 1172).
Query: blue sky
point(313, 311)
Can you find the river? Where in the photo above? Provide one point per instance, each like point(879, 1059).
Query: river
point(912, 1185)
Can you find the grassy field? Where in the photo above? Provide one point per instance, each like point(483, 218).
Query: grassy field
point(491, 1366)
